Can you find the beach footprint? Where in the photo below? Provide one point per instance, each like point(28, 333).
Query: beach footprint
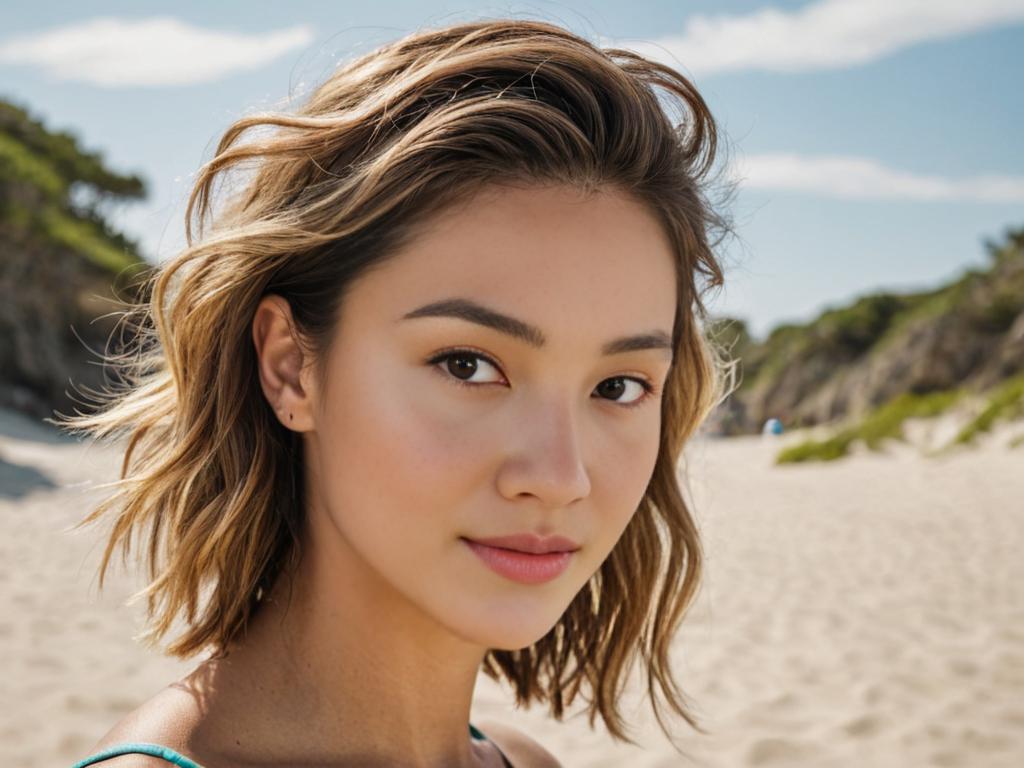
point(781, 752)
point(864, 727)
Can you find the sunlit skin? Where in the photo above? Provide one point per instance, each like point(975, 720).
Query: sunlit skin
point(392, 612)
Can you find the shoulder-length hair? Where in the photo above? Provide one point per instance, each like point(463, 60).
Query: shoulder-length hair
point(338, 185)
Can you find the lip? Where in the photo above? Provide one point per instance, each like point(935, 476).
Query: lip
point(524, 567)
point(530, 543)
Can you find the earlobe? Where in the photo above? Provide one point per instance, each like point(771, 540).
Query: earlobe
point(280, 410)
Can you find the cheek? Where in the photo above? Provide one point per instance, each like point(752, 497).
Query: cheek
point(626, 465)
point(400, 456)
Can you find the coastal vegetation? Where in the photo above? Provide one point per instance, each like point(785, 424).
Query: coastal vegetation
point(858, 371)
point(64, 266)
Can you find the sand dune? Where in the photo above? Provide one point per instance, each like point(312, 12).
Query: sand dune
point(869, 612)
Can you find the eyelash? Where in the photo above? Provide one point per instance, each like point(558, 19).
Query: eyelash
point(649, 389)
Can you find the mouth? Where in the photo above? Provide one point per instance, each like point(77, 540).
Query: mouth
point(530, 543)
point(519, 566)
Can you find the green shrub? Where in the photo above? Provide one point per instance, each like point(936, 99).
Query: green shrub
point(1007, 401)
point(885, 422)
point(81, 235)
point(834, 447)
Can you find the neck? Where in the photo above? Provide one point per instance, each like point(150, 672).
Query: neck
point(348, 673)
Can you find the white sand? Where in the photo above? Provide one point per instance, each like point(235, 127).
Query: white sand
point(868, 612)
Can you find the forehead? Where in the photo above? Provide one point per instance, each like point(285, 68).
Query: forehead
point(552, 255)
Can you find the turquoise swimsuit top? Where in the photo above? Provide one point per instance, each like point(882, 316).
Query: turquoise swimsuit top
point(168, 754)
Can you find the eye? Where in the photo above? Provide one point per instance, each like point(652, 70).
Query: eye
point(459, 365)
point(643, 389)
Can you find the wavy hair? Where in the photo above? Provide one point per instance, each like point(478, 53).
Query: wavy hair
point(337, 186)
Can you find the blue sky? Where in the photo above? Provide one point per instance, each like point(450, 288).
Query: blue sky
point(878, 142)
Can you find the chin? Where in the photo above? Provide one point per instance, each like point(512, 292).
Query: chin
point(508, 627)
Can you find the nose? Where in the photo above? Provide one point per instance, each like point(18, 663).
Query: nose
point(545, 458)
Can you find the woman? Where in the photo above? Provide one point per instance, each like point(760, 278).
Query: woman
point(414, 408)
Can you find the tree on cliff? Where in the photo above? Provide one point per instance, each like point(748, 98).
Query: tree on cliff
point(63, 267)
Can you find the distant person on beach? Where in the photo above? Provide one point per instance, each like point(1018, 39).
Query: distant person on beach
point(413, 408)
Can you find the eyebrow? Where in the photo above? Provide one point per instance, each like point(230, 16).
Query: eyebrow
point(466, 309)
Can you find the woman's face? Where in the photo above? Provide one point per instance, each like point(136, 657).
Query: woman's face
point(414, 453)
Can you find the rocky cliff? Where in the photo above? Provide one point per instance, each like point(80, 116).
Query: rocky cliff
point(62, 267)
point(851, 359)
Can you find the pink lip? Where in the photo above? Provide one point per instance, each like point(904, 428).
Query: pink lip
point(524, 567)
point(531, 543)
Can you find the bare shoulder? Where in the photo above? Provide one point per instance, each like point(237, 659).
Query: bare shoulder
point(168, 718)
point(521, 749)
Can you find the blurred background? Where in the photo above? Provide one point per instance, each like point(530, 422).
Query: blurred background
point(874, 299)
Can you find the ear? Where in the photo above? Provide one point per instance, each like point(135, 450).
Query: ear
point(283, 364)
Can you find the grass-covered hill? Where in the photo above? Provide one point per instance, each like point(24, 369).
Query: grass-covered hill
point(855, 362)
point(59, 258)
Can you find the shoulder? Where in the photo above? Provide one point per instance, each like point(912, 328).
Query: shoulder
point(168, 718)
point(522, 750)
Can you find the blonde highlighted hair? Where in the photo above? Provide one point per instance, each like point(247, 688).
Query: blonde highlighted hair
point(338, 185)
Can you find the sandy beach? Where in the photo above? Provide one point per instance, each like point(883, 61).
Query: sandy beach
point(867, 612)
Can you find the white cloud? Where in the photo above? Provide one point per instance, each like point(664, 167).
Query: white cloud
point(113, 52)
point(857, 178)
point(828, 34)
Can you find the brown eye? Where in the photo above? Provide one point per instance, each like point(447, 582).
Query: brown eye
point(614, 391)
point(614, 387)
point(461, 366)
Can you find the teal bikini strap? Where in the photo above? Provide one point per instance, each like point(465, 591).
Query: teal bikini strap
point(156, 750)
point(477, 734)
point(168, 754)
